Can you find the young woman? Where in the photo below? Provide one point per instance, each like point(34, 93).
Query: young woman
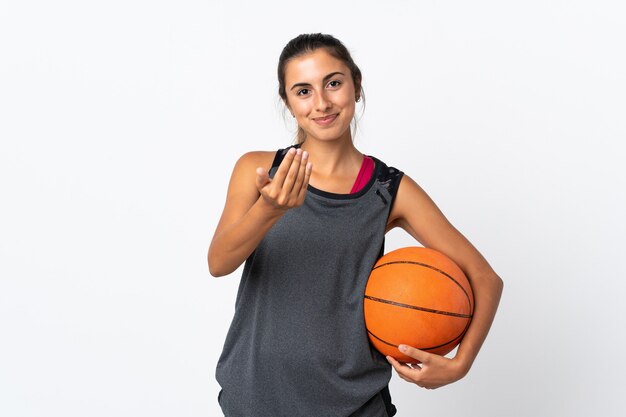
point(309, 222)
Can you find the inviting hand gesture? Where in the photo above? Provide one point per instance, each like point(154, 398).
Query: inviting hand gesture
point(288, 187)
point(432, 371)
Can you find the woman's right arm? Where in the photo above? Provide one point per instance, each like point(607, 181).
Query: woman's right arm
point(254, 203)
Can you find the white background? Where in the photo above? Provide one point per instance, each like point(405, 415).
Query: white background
point(121, 121)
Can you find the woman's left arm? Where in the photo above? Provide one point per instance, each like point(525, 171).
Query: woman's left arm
point(415, 212)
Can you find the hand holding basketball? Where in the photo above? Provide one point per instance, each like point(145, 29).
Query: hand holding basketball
point(432, 371)
point(288, 187)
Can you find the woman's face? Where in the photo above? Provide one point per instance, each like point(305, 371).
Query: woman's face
point(320, 94)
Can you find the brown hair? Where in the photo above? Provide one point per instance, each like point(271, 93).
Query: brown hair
point(307, 43)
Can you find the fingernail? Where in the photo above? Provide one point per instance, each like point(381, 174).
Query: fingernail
point(402, 348)
point(299, 151)
point(305, 154)
point(292, 151)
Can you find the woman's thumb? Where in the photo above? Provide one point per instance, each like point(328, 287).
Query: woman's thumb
point(262, 178)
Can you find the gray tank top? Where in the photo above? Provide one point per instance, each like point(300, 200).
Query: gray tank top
point(297, 345)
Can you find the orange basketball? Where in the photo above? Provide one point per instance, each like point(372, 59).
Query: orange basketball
point(418, 297)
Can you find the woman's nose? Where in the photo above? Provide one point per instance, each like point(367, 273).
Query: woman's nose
point(322, 103)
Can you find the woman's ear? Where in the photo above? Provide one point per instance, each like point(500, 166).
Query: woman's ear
point(358, 91)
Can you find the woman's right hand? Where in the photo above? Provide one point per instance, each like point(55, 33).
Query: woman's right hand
point(254, 203)
point(288, 187)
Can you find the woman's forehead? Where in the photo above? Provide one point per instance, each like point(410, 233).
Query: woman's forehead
point(312, 66)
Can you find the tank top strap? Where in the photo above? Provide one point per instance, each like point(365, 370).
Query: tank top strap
point(388, 178)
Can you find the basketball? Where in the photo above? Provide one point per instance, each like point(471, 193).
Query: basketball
point(418, 297)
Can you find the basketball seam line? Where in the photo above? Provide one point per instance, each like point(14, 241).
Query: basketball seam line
point(431, 267)
point(428, 310)
point(422, 348)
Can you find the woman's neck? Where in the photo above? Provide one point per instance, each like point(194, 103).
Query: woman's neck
point(333, 158)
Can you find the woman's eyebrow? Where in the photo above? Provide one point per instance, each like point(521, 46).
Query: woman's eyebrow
point(332, 74)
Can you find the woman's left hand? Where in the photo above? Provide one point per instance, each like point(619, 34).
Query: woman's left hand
point(433, 371)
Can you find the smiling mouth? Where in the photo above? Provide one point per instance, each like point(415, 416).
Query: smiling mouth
point(326, 119)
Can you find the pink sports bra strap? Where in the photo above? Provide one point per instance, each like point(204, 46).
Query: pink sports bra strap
point(365, 174)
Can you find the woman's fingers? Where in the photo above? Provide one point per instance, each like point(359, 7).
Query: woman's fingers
point(288, 187)
point(283, 168)
point(434, 371)
point(291, 177)
point(308, 168)
point(297, 186)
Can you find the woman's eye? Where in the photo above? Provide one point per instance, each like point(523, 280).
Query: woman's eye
point(334, 83)
point(306, 90)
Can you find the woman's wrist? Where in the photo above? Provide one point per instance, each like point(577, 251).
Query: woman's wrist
point(267, 210)
point(463, 364)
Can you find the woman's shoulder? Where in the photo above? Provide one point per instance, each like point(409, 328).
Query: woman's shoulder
point(256, 158)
